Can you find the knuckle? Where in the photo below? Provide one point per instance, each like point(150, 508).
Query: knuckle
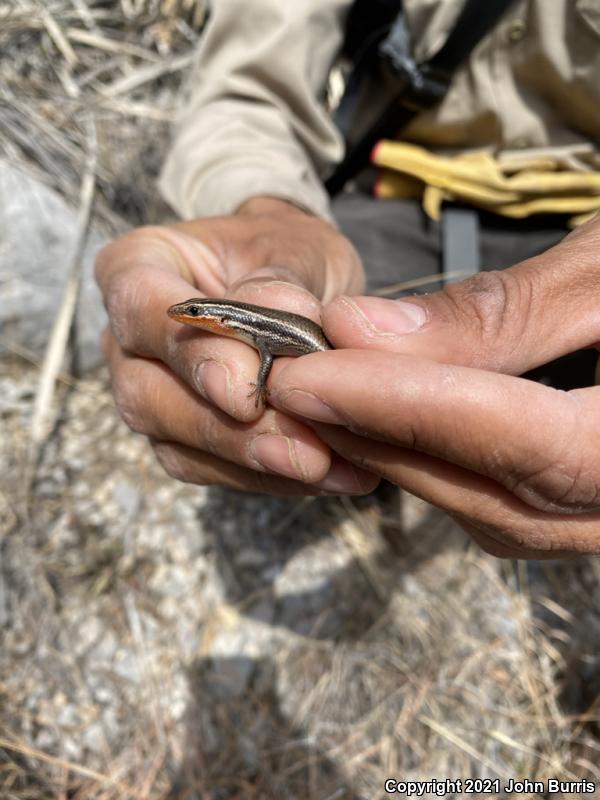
point(145, 232)
point(139, 242)
point(503, 541)
point(201, 469)
point(533, 539)
point(138, 237)
point(211, 440)
point(127, 396)
point(487, 538)
point(566, 488)
point(514, 538)
point(123, 246)
point(491, 303)
point(173, 464)
point(495, 548)
point(122, 273)
point(261, 483)
point(567, 481)
point(127, 293)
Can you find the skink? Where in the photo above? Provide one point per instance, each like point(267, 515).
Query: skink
point(270, 331)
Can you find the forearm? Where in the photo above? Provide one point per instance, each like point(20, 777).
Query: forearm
point(254, 123)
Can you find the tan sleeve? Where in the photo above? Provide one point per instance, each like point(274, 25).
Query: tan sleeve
point(254, 122)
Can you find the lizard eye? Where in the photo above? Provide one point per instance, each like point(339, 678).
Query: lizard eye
point(194, 311)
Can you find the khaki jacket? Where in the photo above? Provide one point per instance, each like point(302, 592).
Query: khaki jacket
point(254, 120)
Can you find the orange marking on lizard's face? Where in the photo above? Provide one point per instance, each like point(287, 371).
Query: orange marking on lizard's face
point(205, 323)
point(181, 313)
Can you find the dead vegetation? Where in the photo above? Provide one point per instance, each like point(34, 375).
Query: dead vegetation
point(120, 63)
point(168, 641)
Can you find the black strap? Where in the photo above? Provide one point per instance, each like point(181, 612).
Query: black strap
point(417, 87)
point(476, 19)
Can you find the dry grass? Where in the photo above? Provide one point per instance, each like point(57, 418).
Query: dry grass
point(166, 641)
point(120, 62)
point(373, 648)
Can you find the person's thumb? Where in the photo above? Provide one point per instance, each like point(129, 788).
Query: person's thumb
point(507, 321)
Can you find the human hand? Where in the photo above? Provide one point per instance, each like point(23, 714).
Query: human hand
point(188, 391)
point(430, 402)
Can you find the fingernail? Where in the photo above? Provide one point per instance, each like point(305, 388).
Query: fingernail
point(341, 478)
point(308, 405)
point(392, 316)
point(280, 454)
point(213, 381)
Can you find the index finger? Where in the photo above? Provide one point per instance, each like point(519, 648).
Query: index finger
point(540, 444)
